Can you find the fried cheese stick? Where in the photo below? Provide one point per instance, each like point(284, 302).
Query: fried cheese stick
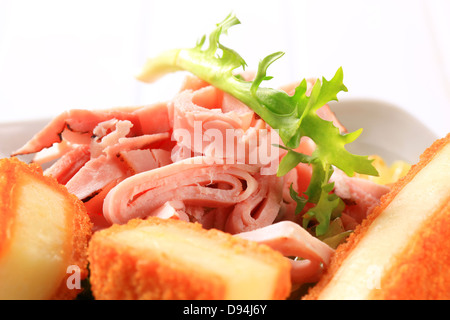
point(401, 251)
point(173, 259)
point(44, 233)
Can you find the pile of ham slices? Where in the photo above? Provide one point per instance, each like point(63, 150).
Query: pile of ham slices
point(127, 163)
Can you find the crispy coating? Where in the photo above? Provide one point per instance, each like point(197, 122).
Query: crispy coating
point(78, 227)
point(419, 272)
point(126, 272)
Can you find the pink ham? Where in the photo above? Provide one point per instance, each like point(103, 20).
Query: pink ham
point(154, 118)
point(291, 240)
point(171, 210)
point(260, 209)
point(194, 181)
point(208, 97)
point(195, 119)
point(77, 121)
point(192, 83)
point(360, 195)
point(95, 175)
point(53, 153)
point(162, 157)
point(146, 141)
point(208, 123)
point(287, 210)
point(107, 133)
point(141, 160)
point(94, 207)
point(209, 217)
point(231, 104)
point(138, 160)
point(69, 164)
point(306, 271)
point(77, 125)
point(115, 157)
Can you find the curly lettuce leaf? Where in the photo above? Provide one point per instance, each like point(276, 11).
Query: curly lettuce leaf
point(292, 116)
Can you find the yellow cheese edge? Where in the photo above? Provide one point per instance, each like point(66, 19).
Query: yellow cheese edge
point(35, 260)
point(244, 276)
point(360, 274)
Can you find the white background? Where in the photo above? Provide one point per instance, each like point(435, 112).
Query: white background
point(57, 55)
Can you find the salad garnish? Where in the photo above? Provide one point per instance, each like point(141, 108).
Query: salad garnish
point(293, 116)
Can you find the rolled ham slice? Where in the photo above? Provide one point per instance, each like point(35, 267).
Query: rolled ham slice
point(260, 209)
point(195, 181)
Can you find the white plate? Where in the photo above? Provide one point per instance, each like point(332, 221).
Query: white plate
point(388, 131)
point(14, 135)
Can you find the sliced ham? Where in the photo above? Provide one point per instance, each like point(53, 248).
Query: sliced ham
point(293, 241)
point(107, 134)
point(204, 157)
point(162, 157)
point(171, 210)
point(231, 104)
point(191, 120)
point(192, 83)
point(217, 125)
point(208, 97)
point(141, 160)
point(53, 153)
point(138, 160)
point(76, 120)
point(154, 118)
point(306, 271)
point(150, 141)
point(193, 181)
point(360, 195)
point(209, 217)
point(95, 175)
point(112, 156)
point(260, 209)
point(78, 124)
point(94, 206)
point(69, 164)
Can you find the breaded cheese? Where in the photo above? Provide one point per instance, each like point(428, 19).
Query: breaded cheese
point(173, 259)
point(44, 233)
point(401, 251)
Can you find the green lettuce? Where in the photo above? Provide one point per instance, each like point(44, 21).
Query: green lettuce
point(293, 116)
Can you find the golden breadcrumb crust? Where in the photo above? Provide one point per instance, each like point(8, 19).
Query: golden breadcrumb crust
point(120, 271)
point(426, 278)
point(79, 225)
point(421, 271)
